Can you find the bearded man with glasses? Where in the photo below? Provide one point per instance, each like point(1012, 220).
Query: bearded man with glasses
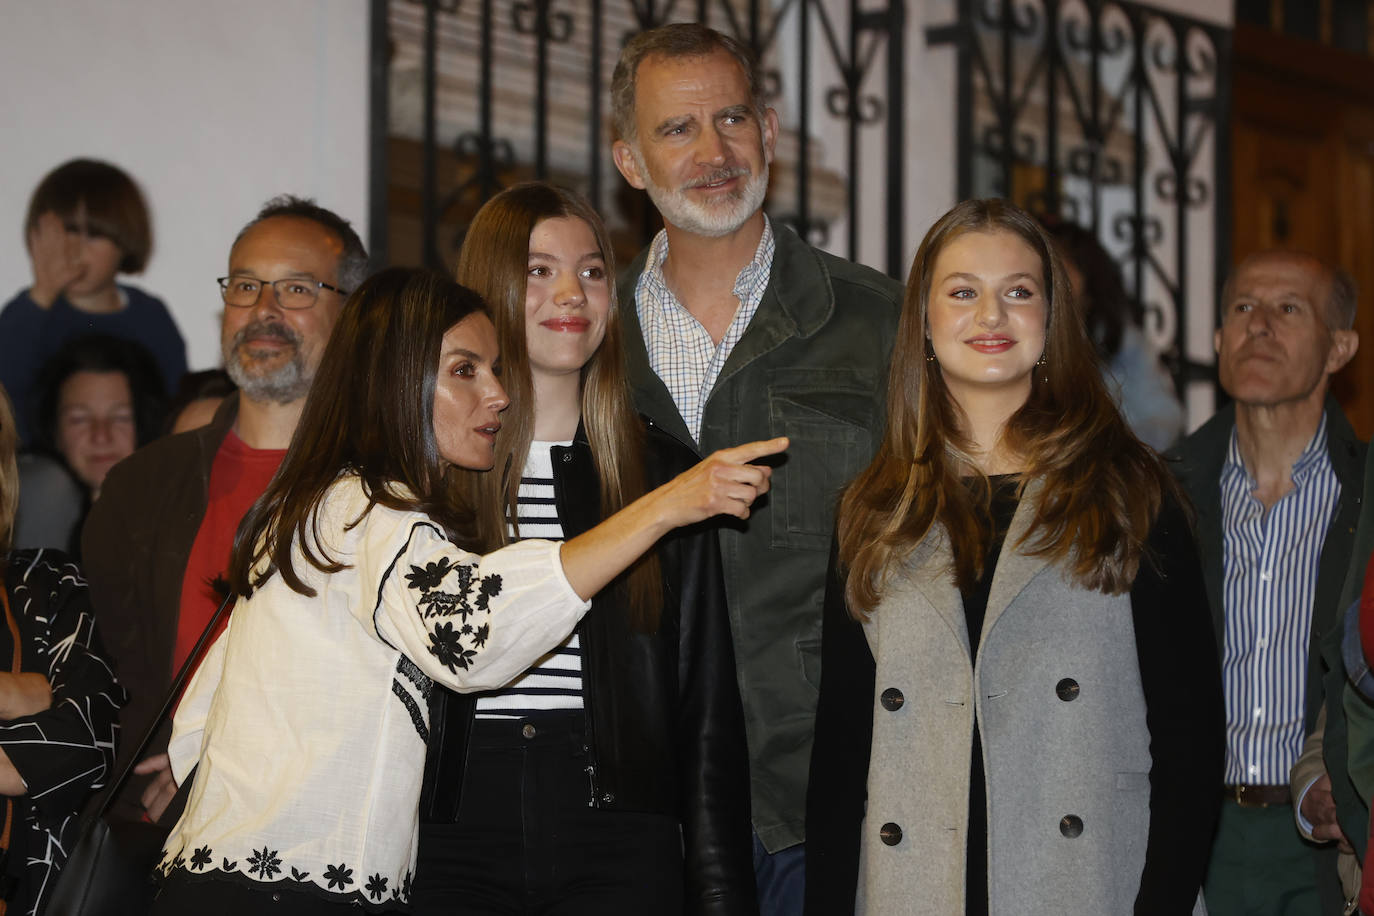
point(157, 541)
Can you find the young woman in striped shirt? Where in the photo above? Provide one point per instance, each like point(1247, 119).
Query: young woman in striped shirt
point(612, 777)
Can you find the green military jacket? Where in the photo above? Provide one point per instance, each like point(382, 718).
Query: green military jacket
point(812, 366)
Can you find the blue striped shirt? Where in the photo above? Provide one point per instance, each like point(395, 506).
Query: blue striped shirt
point(555, 681)
point(1269, 566)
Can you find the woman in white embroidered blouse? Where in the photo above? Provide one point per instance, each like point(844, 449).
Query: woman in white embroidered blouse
point(360, 580)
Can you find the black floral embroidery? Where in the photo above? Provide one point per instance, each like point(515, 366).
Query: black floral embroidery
point(229, 866)
point(200, 858)
point(405, 886)
point(339, 876)
point(443, 604)
point(264, 862)
point(447, 647)
point(376, 886)
point(298, 875)
point(437, 603)
point(454, 643)
point(178, 862)
point(431, 576)
point(489, 589)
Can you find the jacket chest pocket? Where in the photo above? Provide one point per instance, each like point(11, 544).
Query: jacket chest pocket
point(830, 445)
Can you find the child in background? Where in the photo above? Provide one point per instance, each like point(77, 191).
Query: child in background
point(87, 222)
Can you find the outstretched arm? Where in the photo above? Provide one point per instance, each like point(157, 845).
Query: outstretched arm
point(475, 622)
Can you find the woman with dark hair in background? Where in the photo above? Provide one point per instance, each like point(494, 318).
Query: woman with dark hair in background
point(59, 703)
point(1021, 705)
point(196, 399)
point(1135, 377)
point(100, 398)
point(360, 579)
point(87, 223)
point(612, 776)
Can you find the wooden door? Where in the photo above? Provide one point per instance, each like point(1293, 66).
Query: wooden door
point(1303, 172)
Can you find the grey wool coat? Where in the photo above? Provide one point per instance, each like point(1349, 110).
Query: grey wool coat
point(1088, 733)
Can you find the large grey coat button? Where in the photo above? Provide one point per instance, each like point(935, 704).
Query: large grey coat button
point(1067, 689)
point(1071, 825)
point(892, 699)
point(890, 833)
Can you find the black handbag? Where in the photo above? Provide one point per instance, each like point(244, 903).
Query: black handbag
point(110, 870)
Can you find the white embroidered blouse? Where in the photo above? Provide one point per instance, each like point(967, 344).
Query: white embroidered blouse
point(308, 718)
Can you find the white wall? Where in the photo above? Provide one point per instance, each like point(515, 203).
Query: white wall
point(213, 107)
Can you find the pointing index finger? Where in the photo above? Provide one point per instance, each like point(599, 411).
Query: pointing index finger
point(749, 451)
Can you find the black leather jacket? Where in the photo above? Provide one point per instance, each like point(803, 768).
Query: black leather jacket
point(663, 710)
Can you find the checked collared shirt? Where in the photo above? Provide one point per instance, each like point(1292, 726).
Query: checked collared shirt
point(681, 352)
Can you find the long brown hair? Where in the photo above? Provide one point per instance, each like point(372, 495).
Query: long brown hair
point(370, 412)
point(494, 261)
point(1102, 487)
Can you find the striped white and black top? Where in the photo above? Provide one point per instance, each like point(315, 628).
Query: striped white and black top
point(1269, 564)
point(555, 681)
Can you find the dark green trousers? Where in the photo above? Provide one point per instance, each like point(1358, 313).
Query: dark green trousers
point(1261, 866)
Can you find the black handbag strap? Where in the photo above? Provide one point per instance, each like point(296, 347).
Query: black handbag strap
point(187, 667)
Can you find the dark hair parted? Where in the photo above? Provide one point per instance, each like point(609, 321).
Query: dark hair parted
point(494, 260)
point(1101, 487)
point(99, 199)
point(101, 353)
point(370, 412)
point(1105, 305)
point(674, 41)
point(353, 261)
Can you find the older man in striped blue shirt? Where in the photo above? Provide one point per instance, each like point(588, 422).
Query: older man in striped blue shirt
point(1277, 479)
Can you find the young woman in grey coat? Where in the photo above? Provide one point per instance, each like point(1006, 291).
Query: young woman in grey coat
point(1021, 707)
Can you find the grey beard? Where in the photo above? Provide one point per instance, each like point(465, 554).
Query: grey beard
point(677, 209)
point(282, 385)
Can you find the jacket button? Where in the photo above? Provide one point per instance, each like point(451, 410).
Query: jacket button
point(892, 699)
point(567, 456)
point(608, 798)
point(1071, 825)
point(890, 833)
point(528, 730)
point(1067, 689)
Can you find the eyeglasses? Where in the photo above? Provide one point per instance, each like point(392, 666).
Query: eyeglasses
point(292, 293)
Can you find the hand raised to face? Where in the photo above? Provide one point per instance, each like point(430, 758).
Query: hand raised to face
point(56, 257)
